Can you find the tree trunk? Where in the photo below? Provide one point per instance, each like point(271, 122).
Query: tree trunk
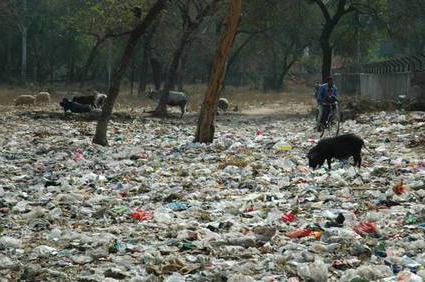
point(327, 58)
point(34, 72)
point(161, 109)
point(181, 71)
point(109, 62)
point(205, 129)
point(329, 26)
point(72, 71)
point(24, 31)
point(100, 136)
point(286, 67)
point(90, 60)
point(132, 78)
point(35, 65)
point(270, 80)
point(156, 73)
point(52, 72)
point(144, 69)
point(233, 58)
point(175, 65)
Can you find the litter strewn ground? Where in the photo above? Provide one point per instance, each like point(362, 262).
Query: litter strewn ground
point(155, 206)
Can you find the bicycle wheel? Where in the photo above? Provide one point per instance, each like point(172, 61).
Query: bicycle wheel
point(334, 124)
point(328, 128)
point(324, 129)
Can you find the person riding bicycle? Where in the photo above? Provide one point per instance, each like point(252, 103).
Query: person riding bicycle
point(327, 96)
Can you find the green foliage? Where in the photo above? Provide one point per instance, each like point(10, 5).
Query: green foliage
point(273, 34)
point(100, 17)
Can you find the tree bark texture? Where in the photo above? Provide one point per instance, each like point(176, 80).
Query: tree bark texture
point(100, 136)
point(206, 127)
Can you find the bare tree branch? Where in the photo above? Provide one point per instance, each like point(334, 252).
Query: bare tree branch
point(324, 10)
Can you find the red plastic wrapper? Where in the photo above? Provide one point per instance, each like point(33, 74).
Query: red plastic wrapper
point(289, 217)
point(365, 228)
point(399, 188)
point(249, 209)
point(299, 233)
point(142, 215)
point(78, 155)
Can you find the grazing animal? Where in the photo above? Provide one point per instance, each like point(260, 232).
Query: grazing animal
point(25, 100)
point(74, 107)
point(174, 99)
point(223, 104)
point(341, 147)
point(99, 99)
point(85, 100)
point(42, 98)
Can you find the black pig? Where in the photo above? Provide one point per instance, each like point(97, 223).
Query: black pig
point(341, 147)
point(85, 100)
point(75, 107)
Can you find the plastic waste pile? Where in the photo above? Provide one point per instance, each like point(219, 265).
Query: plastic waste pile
point(154, 206)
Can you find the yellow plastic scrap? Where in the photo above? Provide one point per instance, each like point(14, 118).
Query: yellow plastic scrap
point(284, 148)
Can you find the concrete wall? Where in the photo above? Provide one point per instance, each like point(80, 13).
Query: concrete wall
point(375, 86)
point(384, 86)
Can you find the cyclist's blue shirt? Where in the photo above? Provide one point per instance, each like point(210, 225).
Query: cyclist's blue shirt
point(323, 92)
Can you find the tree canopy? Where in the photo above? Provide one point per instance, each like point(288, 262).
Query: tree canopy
point(52, 41)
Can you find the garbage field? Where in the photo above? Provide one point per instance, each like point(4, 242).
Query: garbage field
point(154, 206)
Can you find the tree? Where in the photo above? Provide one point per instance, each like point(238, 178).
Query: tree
point(60, 42)
point(101, 21)
point(411, 14)
point(206, 127)
point(147, 55)
point(190, 25)
point(282, 43)
point(330, 23)
point(21, 18)
point(100, 136)
point(272, 37)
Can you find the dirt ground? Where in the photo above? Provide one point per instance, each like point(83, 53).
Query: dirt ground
point(296, 100)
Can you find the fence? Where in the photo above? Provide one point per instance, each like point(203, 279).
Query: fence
point(384, 80)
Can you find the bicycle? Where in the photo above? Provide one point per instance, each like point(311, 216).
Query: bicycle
point(331, 125)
